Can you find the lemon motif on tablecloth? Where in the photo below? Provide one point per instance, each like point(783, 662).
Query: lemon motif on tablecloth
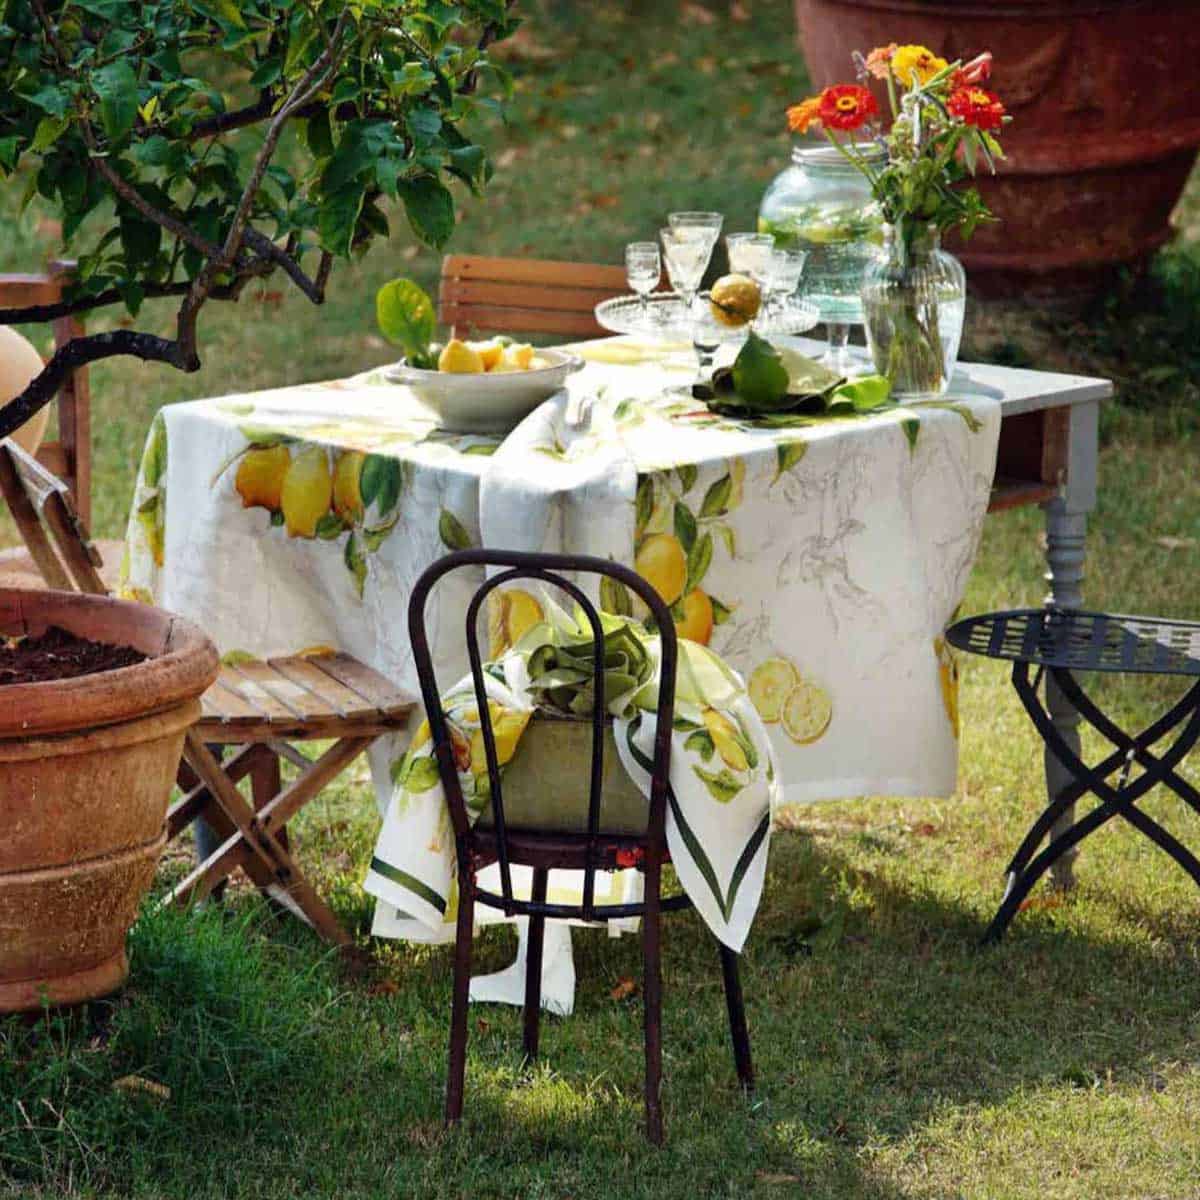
point(260, 475)
point(662, 563)
point(769, 685)
point(948, 678)
point(512, 613)
point(781, 694)
point(307, 492)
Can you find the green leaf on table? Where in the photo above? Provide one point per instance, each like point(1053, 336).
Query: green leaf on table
point(117, 87)
point(863, 394)
point(699, 558)
point(685, 526)
point(406, 317)
point(452, 533)
point(716, 499)
point(722, 785)
point(759, 375)
point(787, 455)
point(430, 209)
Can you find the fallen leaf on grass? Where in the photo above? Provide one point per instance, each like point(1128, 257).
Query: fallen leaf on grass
point(147, 1087)
point(385, 987)
point(776, 1177)
point(739, 12)
point(696, 14)
point(1041, 903)
point(1175, 543)
point(625, 988)
point(925, 829)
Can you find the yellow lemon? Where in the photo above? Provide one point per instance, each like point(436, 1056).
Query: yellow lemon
point(734, 300)
point(697, 622)
point(661, 562)
point(724, 735)
point(770, 684)
point(460, 359)
point(347, 477)
point(807, 712)
point(259, 479)
point(519, 355)
point(307, 492)
point(490, 353)
point(948, 675)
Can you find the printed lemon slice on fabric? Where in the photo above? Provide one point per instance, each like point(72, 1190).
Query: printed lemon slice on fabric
point(771, 682)
point(661, 562)
point(511, 615)
point(807, 712)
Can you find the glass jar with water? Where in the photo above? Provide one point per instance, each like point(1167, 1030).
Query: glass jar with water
point(822, 204)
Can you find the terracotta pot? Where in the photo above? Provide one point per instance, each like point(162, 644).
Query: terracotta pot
point(86, 768)
point(1105, 130)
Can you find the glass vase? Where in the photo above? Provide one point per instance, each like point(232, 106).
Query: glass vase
point(914, 299)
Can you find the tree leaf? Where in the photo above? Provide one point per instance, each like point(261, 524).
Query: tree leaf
point(116, 85)
point(337, 217)
point(430, 209)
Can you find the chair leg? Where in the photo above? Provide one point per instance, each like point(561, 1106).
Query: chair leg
point(463, 946)
point(652, 1003)
point(533, 964)
point(265, 784)
point(737, 1018)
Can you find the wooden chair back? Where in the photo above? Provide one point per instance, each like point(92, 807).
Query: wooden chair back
point(70, 457)
point(525, 295)
point(55, 536)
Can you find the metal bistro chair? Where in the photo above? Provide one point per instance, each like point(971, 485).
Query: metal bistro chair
point(260, 707)
point(590, 849)
point(1057, 643)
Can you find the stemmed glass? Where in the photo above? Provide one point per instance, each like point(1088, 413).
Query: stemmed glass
point(643, 266)
point(711, 221)
point(750, 254)
point(687, 250)
point(784, 271)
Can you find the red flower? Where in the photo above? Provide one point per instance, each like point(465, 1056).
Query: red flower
point(978, 70)
point(633, 857)
point(846, 106)
point(977, 106)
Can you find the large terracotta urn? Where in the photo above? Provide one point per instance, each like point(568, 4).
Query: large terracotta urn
point(86, 769)
point(1106, 122)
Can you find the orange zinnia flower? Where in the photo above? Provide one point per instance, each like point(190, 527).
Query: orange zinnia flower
point(846, 106)
point(978, 70)
point(879, 61)
point(803, 116)
point(976, 106)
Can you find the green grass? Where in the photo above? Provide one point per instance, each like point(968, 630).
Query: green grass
point(894, 1058)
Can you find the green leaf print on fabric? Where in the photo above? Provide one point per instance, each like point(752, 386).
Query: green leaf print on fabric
point(722, 785)
point(450, 529)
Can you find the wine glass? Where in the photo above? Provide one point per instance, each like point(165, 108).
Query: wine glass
point(643, 266)
point(750, 254)
point(784, 270)
point(711, 221)
point(687, 251)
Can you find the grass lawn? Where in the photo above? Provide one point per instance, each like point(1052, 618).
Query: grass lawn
point(894, 1058)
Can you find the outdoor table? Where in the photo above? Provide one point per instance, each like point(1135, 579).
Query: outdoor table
point(814, 577)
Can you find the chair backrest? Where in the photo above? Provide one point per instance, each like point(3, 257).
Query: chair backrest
point(525, 295)
point(549, 569)
point(70, 458)
point(54, 534)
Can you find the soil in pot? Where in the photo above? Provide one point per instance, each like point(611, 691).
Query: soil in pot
point(59, 654)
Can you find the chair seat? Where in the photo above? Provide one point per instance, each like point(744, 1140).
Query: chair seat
point(545, 786)
point(300, 698)
point(1082, 641)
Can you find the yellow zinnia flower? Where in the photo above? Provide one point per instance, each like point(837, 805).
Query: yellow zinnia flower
point(916, 64)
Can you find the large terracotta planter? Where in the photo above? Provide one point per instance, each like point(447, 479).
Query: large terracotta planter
point(1107, 122)
point(86, 768)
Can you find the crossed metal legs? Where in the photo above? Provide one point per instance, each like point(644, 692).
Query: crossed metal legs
point(1027, 867)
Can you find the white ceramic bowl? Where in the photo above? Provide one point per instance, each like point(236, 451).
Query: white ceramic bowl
point(491, 402)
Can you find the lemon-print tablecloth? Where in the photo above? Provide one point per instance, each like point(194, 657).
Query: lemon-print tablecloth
point(821, 561)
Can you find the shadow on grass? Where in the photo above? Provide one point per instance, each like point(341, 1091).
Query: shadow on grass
point(873, 1014)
